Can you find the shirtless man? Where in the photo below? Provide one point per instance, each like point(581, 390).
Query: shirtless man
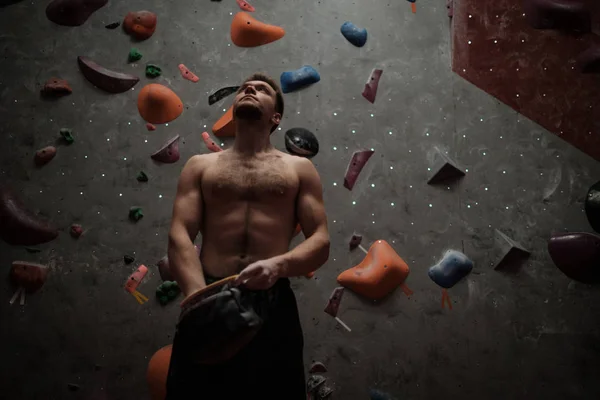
point(246, 202)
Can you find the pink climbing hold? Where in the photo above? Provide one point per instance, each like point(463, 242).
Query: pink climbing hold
point(150, 127)
point(76, 231)
point(245, 6)
point(370, 91)
point(169, 152)
point(334, 301)
point(44, 156)
point(359, 159)
point(187, 74)
point(210, 144)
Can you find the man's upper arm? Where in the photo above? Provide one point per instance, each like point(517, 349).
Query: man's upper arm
point(187, 206)
point(310, 208)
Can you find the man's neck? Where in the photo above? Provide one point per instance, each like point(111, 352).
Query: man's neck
point(251, 138)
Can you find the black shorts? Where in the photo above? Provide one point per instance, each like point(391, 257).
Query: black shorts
point(269, 367)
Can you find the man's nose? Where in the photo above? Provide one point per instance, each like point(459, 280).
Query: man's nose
point(249, 89)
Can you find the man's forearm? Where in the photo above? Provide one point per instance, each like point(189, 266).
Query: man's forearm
point(185, 265)
point(307, 257)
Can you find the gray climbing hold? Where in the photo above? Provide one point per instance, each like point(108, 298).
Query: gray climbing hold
point(507, 252)
point(444, 169)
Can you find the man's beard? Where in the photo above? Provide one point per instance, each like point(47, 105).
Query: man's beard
point(248, 112)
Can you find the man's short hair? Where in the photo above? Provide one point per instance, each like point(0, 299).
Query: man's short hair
point(278, 94)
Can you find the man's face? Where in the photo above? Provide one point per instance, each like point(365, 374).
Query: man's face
point(255, 100)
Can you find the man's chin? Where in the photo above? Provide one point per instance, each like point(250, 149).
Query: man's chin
point(247, 111)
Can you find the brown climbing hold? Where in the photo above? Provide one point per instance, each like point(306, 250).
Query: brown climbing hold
point(140, 24)
point(225, 126)
point(72, 12)
point(55, 87)
point(246, 31)
point(106, 79)
point(76, 231)
point(317, 367)
point(19, 226)
point(29, 276)
point(187, 74)
point(44, 156)
point(355, 241)
point(333, 305)
point(169, 152)
point(158, 104)
point(378, 274)
point(150, 127)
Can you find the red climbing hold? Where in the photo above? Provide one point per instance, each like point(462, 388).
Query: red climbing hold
point(370, 91)
point(140, 24)
point(359, 159)
point(106, 79)
point(245, 6)
point(334, 301)
point(55, 87)
point(135, 279)
point(210, 144)
point(29, 276)
point(187, 74)
point(76, 231)
point(44, 156)
point(317, 367)
point(150, 127)
point(169, 152)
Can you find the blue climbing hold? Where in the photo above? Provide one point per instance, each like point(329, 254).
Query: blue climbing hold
point(294, 80)
point(452, 268)
point(375, 394)
point(354, 34)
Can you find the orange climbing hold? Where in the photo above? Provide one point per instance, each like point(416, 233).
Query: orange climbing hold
point(158, 368)
point(379, 273)
point(246, 31)
point(225, 126)
point(245, 6)
point(158, 104)
point(187, 74)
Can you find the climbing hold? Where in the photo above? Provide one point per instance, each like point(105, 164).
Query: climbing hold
point(169, 152)
point(507, 252)
point(164, 268)
point(142, 177)
point(167, 291)
point(134, 281)
point(592, 206)
point(378, 274)
point(246, 31)
point(113, 25)
point(152, 71)
point(444, 169)
point(452, 268)
point(29, 276)
point(73, 387)
point(55, 87)
point(317, 366)
point(72, 12)
point(158, 370)
point(134, 55)
point(370, 91)
point(187, 74)
point(67, 135)
point(43, 156)
point(141, 24)
point(589, 60)
point(323, 392)
point(354, 34)
point(150, 127)
point(335, 299)
point(210, 144)
point(577, 255)
point(76, 231)
point(225, 126)
point(355, 241)
point(221, 94)
point(105, 79)
point(32, 250)
point(314, 382)
point(245, 6)
point(136, 213)
point(158, 104)
point(558, 14)
point(128, 259)
point(19, 226)
point(297, 79)
point(301, 142)
point(375, 394)
point(358, 161)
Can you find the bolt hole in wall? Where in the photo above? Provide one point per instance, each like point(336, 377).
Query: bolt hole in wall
point(529, 257)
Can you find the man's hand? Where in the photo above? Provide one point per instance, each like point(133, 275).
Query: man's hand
point(260, 275)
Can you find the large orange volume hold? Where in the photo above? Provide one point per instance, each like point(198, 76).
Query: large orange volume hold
point(225, 126)
point(158, 104)
point(379, 273)
point(246, 31)
point(158, 369)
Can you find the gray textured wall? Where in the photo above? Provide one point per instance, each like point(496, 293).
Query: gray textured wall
point(529, 334)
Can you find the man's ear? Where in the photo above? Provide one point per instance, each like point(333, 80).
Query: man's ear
point(276, 119)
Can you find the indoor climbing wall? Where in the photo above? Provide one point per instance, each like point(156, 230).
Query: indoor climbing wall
point(443, 197)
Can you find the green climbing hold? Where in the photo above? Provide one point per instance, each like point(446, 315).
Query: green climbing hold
point(134, 55)
point(136, 213)
point(67, 135)
point(152, 71)
point(167, 291)
point(142, 177)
